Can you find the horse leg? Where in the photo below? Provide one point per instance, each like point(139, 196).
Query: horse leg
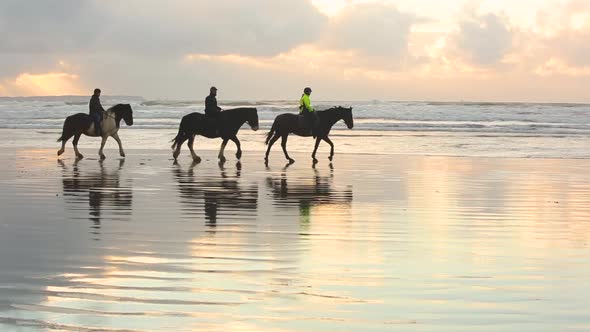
point(270, 143)
point(75, 144)
point(284, 146)
point(116, 137)
point(315, 149)
point(191, 141)
point(238, 145)
point(177, 151)
point(102, 143)
point(220, 155)
point(63, 146)
point(331, 147)
point(66, 134)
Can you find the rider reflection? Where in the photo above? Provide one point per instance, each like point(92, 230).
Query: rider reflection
point(215, 196)
point(307, 192)
point(102, 189)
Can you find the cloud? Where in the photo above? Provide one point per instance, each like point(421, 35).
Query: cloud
point(484, 39)
point(108, 39)
point(565, 31)
point(45, 84)
point(48, 26)
point(154, 28)
point(373, 29)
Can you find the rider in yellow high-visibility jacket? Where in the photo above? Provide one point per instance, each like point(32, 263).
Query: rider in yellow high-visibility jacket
point(310, 115)
point(305, 103)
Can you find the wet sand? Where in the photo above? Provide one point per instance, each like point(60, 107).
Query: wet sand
point(369, 243)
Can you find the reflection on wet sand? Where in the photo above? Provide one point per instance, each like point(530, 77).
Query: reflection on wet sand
point(215, 195)
point(305, 192)
point(102, 190)
point(427, 244)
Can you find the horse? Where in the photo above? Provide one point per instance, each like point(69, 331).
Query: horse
point(81, 123)
point(287, 123)
point(198, 124)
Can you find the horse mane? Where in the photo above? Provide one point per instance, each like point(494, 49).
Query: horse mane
point(239, 109)
point(336, 108)
point(119, 107)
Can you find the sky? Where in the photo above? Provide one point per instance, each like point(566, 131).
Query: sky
point(452, 50)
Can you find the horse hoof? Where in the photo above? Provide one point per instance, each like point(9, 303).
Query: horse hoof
point(239, 154)
point(60, 152)
point(122, 155)
point(103, 157)
point(291, 161)
point(222, 159)
point(197, 159)
point(79, 156)
point(315, 161)
point(330, 158)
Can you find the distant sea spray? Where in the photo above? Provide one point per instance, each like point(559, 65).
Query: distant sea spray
point(488, 118)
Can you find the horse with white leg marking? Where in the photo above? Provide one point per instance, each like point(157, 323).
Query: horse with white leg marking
point(81, 123)
point(230, 121)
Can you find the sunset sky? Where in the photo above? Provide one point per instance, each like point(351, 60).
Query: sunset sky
point(486, 50)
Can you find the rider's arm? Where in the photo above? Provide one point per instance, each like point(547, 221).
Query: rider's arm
point(307, 104)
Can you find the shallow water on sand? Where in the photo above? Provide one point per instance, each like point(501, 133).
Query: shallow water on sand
point(371, 243)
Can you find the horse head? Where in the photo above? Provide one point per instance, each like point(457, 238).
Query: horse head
point(123, 111)
point(346, 114)
point(252, 118)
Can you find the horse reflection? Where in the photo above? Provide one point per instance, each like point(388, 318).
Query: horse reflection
point(306, 192)
point(102, 189)
point(215, 195)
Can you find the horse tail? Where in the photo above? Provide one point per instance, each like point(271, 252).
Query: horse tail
point(180, 137)
point(273, 129)
point(66, 131)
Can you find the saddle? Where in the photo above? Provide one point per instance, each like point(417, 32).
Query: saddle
point(103, 114)
point(304, 123)
point(212, 125)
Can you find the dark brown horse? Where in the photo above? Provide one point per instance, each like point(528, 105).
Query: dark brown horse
point(197, 124)
point(81, 123)
point(287, 123)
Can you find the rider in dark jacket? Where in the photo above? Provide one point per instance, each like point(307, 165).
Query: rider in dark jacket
point(96, 111)
point(212, 111)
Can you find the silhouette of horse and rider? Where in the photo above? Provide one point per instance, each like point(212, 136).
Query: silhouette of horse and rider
point(215, 123)
point(101, 189)
point(214, 195)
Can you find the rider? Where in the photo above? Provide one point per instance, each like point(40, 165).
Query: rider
point(212, 111)
point(305, 109)
point(96, 111)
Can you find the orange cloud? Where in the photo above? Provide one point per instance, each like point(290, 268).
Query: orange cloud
point(556, 66)
point(46, 84)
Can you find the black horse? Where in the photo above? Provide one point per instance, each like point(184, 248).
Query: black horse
point(81, 123)
point(287, 123)
point(198, 124)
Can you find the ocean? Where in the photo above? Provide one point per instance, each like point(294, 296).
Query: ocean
point(389, 127)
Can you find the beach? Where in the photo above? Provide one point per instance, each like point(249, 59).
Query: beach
point(369, 242)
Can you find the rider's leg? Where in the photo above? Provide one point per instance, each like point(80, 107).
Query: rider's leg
point(97, 128)
point(316, 123)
